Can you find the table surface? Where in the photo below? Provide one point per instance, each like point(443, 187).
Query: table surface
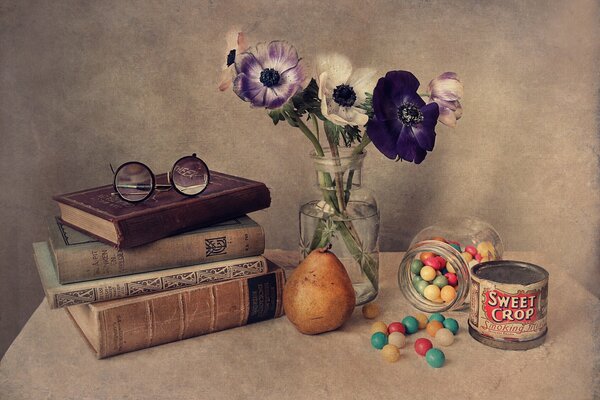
point(49, 360)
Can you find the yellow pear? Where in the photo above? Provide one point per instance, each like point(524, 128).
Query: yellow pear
point(319, 296)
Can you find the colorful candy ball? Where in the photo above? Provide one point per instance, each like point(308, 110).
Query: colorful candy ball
point(397, 339)
point(396, 327)
point(436, 317)
point(425, 255)
point(411, 324)
point(379, 326)
point(452, 279)
point(433, 262)
point(420, 286)
point(440, 281)
point(427, 273)
point(448, 293)
point(433, 327)
point(432, 292)
point(451, 324)
point(422, 346)
point(390, 353)
point(371, 310)
point(444, 337)
point(435, 358)
point(415, 266)
point(378, 340)
point(471, 250)
point(422, 319)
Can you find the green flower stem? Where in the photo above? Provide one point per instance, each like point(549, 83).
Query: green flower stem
point(365, 142)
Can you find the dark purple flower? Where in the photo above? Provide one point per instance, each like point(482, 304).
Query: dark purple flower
point(268, 75)
point(403, 126)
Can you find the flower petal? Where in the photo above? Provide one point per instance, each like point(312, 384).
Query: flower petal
point(282, 56)
point(227, 76)
point(407, 147)
point(425, 131)
point(447, 117)
point(447, 86)
point(337, 66)
point(295, 75)
point(384, 107)
point(362, 81)
point(248, 64)
point(384, 135)
point(277, 96)
point(249, 90)
point(400, 83)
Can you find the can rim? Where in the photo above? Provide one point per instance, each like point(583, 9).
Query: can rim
point(543, 275)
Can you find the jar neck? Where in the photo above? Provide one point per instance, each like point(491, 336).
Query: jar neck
point(453, 258)
point(346, 168)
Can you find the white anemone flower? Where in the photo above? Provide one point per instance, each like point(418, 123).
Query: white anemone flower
point(237, 43)
point(343, 89)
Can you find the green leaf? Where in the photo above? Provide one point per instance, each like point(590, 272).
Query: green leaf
point(368, 105)
point(276, 116)
point(349, 134)
point(307, 101)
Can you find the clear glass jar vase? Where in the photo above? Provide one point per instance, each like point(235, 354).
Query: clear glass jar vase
point(459, 244)
point(345, 215)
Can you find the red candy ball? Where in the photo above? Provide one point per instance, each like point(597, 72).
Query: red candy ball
point(396, 327)
point(471, 250)
point(422, 345)
point(478, 257)
point(442, 261)
point(433, 262)
point(452, 278)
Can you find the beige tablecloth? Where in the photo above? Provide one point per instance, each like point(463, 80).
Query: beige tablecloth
point(271, 360)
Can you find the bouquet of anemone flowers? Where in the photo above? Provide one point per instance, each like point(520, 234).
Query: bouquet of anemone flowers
point(351, 106)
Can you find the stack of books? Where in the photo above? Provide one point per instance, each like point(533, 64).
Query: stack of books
point(132, 276)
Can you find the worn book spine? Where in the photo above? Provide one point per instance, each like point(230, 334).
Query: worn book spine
point(138, 284)
point(121, 326)
point(78, 257)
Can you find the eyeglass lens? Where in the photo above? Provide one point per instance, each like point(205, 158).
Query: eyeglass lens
point(134, 181)
point(190, 175)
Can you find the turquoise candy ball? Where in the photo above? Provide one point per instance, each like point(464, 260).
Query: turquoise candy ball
point(415, 266)
point(416, 278)
point(435, 358)
point(420, 286)
point(437, 317)
point(411, 324)
point(456, 246)
point(451, 324)
point(378, 340)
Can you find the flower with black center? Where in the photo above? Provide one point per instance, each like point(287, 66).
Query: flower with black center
point(268, 75)
point(403, 126)
point(342, 90)
point(237, 43)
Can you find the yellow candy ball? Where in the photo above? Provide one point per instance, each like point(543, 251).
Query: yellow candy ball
point(432, 292)
point(427, 273)
point(450, 268)
point(370, 310)
point(486, 249)
point(467, 256)
point(379, 326)
point(390, 353)
point(448, 293)
point(422, 319)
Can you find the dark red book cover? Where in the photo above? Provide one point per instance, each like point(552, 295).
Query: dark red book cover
point(166, 212)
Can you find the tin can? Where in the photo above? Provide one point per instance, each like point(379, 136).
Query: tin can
point(509, 304)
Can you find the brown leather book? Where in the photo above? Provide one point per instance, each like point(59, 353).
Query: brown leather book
point(124, 325)
point(101, 213)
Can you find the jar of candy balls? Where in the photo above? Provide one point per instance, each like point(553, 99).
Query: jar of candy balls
point(434, 274)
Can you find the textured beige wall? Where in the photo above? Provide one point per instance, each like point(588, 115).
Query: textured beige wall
point(83, 84)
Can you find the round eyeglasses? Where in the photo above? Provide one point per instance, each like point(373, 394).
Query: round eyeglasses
point(135, 182)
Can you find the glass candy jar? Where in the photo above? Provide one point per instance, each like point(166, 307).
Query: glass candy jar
point(344, 214)
point(434, 274)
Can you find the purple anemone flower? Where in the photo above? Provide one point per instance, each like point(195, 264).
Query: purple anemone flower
point(403, 126)
point(268, 75)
